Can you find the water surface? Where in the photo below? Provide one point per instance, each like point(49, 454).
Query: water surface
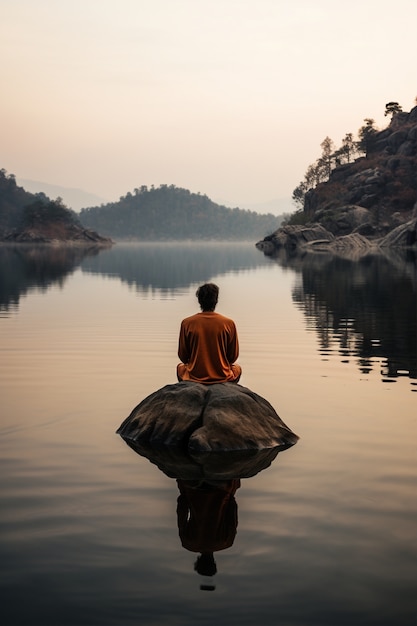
point(326, 535)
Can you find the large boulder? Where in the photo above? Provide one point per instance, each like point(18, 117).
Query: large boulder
point(352, 246)
point(345, 219)
point(294, 237)
point(405, 235)
point(206, 418)
point(314, 238)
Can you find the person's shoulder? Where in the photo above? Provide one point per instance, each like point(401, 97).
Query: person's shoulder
point(190, 318)
point(226, 320)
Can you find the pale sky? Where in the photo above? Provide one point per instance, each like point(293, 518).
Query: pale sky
point(230, 98)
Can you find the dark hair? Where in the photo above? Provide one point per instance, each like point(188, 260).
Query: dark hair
point(205, 564)
point(208, 296)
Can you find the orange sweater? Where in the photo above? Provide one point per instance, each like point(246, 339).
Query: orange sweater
point(208, 346)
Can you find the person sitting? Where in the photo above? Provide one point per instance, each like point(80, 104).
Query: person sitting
point(208, 343)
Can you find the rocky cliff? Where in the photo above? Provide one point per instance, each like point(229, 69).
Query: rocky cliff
point(373, 198)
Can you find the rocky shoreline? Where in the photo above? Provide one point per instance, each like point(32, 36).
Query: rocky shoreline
point(70, 236)
point(315, 238)
point(365, 206)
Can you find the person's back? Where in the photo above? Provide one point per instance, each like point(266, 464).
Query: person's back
point(208, 343)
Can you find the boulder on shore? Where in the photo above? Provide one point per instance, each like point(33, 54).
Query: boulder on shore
point(315, 238)
point(405, 235)
point(206, 418)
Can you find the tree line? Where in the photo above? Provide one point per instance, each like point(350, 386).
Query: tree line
point(169, 212)
point(332, 157)
point(21, 209)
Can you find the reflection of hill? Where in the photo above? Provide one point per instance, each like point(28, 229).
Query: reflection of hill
point(366, 308)
point(27, 267)
point(168, 266)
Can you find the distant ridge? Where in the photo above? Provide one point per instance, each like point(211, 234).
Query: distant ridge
point(173, 213)
point(74, 198)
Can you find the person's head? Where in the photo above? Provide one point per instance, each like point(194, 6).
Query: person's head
point(207, 296)
point(205, 564)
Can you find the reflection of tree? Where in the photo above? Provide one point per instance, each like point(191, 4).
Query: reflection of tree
point(24, 268)
point(148, 267)
point(168, 267)
point(367, 307)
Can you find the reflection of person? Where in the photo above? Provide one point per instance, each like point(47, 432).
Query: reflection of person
point(207, 515)
point(207, 520)
point(208, 343)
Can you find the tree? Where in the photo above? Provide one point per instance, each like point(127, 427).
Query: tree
point(348, 148)
point(327, 147)
point(392, 108)
point(366, 135)
point(299, 193)
point(316, 173)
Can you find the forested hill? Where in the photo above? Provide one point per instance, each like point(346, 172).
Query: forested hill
point(169, 212)
point(34, 218)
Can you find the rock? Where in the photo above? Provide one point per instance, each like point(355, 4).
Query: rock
point(352, 245)
point(404, 235)
point(366, 229)
point(294, 237)
point(345, 220)
point(69, 234)
point(412, 134)
point(316, 238)
point(408, 148)
point(396, 139)
point(267, 246)
point(383, 182)
point(206, 418)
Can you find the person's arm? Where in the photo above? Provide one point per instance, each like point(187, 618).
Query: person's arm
point(233, 346)
point(183, 351)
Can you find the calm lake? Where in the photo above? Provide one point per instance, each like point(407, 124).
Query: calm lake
point(326, 535)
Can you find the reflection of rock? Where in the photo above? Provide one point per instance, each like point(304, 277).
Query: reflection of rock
point(204, 418)
point(207, 437)
point(176, 462)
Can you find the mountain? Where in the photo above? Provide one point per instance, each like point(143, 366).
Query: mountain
point(34, 218)
point(368, 203)
point(172, 213)
point(72, 197)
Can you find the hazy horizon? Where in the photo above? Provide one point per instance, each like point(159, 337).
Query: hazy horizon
point(78, 199)
point(228, 98)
